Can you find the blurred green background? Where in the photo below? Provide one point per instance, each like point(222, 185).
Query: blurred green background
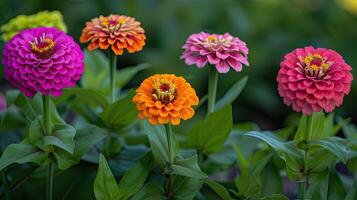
point(271, 29)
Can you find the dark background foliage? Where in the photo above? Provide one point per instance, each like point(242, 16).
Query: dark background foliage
point(271, 29)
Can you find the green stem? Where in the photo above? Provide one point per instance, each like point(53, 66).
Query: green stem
point(169, 142)
point(112, 73)
point(212, 88)
point(305, 183)
point(49, 188)
point(47, 127)
point(46, 114)
point(302, 190)
point(171, 160)
point(5, 185)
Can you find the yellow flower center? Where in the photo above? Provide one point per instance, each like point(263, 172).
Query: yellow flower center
point(164, 91)
point(315, 65)
point(43, 47)
point(211, 38)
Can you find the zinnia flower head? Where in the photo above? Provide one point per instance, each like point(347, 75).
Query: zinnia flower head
point(116, 31)
point(165, 98)
point(223, 51)
point(44, 60)
point(40, 19)
point(312, 80)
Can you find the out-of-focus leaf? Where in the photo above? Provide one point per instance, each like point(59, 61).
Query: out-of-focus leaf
point(96, 69)
point(206, 136)
point(22, 153)
point(274, 197)
point(186, 188)
point(220, 190)
point(248, 185)
point(126, 74)
point(352, 193)
point(85, 95)
point(232, 93)
point(121, 113)
point(151, 191)
point(105, 185)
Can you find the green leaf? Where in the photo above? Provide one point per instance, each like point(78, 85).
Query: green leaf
point(105, 185)
point(96, 69)
point(274, 197)
point(311, 127)
point(22, 153)
point(126, 74)
point(220, 190)
point(62, 136)
point(185, 188)
point(209, 135)
point(286, 150)
point(188, 167)
point(334, 145)
point(248, 185)
point(242, 161)
point(158, 143)
point(271, 181)
point(352, 193)
point(11, 96)
point(328, 187)
point(121, 113)
point(85, 138)
point(151, 191)
point(133, 180)
point(232, 93)
point(93, 97)
point(330, 129)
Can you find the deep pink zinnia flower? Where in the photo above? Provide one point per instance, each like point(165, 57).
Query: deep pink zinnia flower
point(223, 51)
point(44, 60)
point(311, 80)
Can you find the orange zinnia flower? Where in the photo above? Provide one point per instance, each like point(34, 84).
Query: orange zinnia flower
point(118, 31)
point(165, 98)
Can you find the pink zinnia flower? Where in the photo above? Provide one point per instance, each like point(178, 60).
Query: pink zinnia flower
point(44, 60)
point(223, 51)
point(311, 80)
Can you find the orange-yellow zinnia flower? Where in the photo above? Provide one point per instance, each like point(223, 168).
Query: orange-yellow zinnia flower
point(117, 31)
point(165, 98)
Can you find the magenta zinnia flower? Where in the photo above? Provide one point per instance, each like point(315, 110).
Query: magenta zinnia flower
point(223, 51)
point(311, 80)
point(44, 60)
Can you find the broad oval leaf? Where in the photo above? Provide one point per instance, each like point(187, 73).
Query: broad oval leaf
point(188, 167)
point(121, 113)
point(22, 153)
point(209, 135)
point(105, 185)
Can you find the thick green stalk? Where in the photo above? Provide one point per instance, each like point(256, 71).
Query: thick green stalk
point(46, 114)
point(49, 188)
point(305, 183)
point(171, 161)
point(112, 73)
point(212, 88)
point(47, 127)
